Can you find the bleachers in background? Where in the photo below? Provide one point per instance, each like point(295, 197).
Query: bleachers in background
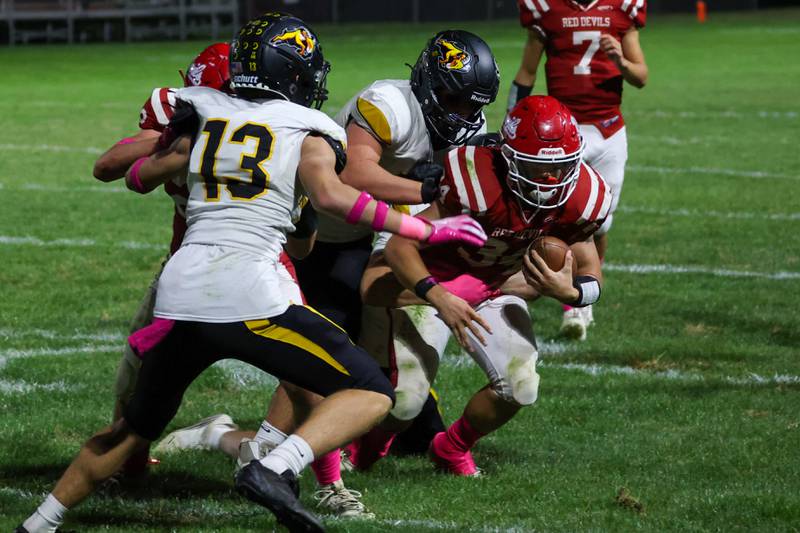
point(71, 21)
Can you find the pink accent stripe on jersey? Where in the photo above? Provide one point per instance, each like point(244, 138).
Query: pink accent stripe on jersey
point(147, 338)
point(358, 208)
point(381, 212)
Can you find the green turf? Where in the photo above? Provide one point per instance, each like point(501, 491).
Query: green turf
point(690, 397)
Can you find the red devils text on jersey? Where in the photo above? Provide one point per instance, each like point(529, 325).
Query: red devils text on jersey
point(475, 183)
point(578, 72)
point(155, 115)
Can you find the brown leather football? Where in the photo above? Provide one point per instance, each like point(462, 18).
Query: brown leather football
point(552, 250)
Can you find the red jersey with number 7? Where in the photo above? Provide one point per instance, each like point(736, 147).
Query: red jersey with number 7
point(474, 182)
point(578, 73)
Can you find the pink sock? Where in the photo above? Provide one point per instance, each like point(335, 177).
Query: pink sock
point(566, 307)
point(372, 447)
point(327, 468)
point(462, 435)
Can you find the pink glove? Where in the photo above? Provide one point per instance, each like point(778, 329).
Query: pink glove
point(471, 289)
point(461, 228)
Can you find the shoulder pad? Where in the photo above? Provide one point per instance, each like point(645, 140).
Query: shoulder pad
point(157, 110)
point(589, 204)
point(338, 149)
point(470, 179)
point(636, 10)
point(382, 110)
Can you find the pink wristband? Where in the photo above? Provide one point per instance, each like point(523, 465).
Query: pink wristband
point(126, 140)
point(358, 208)
point(381, 212)
point(136, 181)
point(412, 227)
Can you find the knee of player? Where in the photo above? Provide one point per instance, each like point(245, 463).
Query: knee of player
point(408, 403)
point(520, 386)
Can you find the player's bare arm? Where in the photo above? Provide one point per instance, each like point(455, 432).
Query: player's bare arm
point(404, 258)
point(363, 170)
point(628, 56)
point(526, 75)
point(116, 160)
point(148, 173)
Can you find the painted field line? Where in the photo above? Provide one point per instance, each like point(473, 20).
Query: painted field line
point(7, 355)
point(77, 243)
point(51, 148)
point(82, 189)
point(105, 336)
point(762, 114)
point(20, 386)
point(685, 269)
point(757, 174)
point(694, 213)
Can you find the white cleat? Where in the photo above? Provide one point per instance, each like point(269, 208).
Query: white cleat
point(250, 449)
point(588, 316)
point(573, 325)
point(195, 437)
point(343, 502)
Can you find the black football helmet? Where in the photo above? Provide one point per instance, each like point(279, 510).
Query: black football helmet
point(277, 55)
point(455, 76)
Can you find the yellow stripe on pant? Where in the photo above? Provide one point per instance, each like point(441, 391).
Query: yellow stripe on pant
point(266, 329)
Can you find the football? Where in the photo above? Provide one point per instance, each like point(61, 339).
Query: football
point(553, 250)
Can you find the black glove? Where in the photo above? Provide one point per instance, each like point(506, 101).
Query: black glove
point(429, 174)
point(184, 121)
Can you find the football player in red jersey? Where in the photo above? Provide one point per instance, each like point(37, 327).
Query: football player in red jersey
point(534, 183)
point(209, 69)
point(591, 47)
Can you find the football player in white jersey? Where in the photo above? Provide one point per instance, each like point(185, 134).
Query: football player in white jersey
point(395, 130)
point(247, 156)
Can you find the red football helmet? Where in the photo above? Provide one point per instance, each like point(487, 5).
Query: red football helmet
point(543, 148)
point(210, 69)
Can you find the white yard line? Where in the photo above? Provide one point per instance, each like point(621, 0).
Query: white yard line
point(103, 189)
point(687, 171)
point(77, 243)
point(686, 269)
point(51, 148)
point(693, 213)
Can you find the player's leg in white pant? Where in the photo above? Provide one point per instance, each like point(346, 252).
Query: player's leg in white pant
point(509, 361)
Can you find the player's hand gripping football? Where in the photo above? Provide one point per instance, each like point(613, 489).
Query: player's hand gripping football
point(553, 283)
point(459, 228)
point(459, 316)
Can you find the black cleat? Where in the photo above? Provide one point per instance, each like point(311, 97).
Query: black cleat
point(279, 494)
point(20, 529)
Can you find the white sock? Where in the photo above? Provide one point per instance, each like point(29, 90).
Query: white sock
point(293, 454)
point(270, 434)
point(47, 517)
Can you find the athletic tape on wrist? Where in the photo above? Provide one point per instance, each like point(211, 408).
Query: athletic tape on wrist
point(358, 208)
point(136, 181)
point(412, 227)
point(588, 291)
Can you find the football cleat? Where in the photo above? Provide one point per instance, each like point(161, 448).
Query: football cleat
point(279, 494)
point(588, 316)
point(195, 437)
point(20, 529)
point(341, 501)
point(450, 460)
point(573, 325)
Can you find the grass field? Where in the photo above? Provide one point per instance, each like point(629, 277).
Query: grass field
point(686, 395)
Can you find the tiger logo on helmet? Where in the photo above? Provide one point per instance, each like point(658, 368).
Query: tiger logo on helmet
point(298, 39)
point(453, 56)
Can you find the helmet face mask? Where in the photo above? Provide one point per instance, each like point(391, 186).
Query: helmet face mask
point(454, 77)
point(543, 149)
point(279, 56)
